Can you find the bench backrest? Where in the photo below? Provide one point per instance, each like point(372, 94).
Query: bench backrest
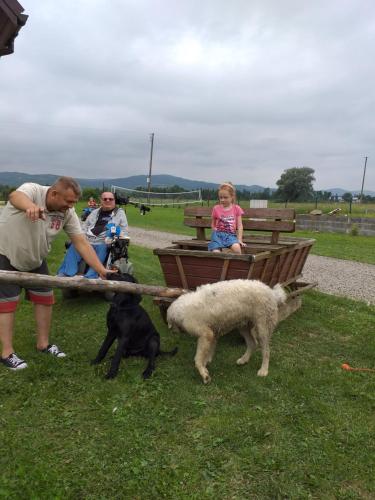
point(272, 220)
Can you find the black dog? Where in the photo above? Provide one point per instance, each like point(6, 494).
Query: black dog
point(143, 209)
point(119, 249)
point(124, 200)
point(130, 324)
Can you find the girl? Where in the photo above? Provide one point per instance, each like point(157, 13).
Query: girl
point(226, 221)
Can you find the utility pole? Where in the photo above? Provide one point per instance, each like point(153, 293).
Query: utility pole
point(363, 179)
point(150, 168)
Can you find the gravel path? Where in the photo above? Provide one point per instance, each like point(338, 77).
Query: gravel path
point(335, 276)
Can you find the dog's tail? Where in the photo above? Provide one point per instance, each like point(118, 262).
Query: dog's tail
point(279, 294)
point(168, 353)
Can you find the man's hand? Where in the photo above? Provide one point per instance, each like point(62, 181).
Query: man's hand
point(23, 202)
point(103, 274)
point(35, 213)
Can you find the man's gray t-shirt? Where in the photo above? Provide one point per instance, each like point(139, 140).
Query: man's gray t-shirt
point(26, 243)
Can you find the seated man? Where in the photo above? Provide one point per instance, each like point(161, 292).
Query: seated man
point(95, 230)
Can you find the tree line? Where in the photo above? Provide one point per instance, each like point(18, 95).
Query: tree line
point(295, 185)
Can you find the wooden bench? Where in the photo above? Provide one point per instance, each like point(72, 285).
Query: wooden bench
point(266, 220)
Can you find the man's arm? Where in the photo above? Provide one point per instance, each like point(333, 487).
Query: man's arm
point(23, 202)
point(88, 254)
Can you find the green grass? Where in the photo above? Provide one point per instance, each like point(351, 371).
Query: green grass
point(305, 431)
point(342, 246)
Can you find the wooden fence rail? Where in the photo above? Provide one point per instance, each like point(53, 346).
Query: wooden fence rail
point(90, 285)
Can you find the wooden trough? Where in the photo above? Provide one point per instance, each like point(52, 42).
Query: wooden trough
point(267, 257)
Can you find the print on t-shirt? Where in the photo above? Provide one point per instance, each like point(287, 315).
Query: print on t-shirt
point(56, 222)
point(226, 224)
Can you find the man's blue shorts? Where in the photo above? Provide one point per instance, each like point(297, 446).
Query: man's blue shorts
point(221, 240)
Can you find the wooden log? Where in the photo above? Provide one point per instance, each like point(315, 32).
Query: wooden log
point(90, 285)
point(301, 288)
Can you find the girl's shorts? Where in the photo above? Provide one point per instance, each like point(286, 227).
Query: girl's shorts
point(221, 240)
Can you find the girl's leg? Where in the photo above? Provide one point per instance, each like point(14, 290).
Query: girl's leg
point(236, 248)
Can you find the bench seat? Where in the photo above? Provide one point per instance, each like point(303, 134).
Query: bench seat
point(270, 221)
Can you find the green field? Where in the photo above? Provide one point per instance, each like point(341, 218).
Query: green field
point(305, 431)
point(356, 209)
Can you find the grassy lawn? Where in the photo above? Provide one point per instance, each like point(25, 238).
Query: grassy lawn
point(305, 431)
point(342, 246)
point(357, 209)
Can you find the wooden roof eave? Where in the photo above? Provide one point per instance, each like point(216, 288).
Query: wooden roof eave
point(11, 21)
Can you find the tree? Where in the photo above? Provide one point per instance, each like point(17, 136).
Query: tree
point(90, 191)
point(348, 197)
point(5, 190)
point(295, 184)
point(323, 195)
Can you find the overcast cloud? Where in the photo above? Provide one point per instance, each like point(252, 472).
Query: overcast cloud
point(236, 90)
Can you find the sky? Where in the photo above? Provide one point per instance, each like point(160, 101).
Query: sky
point(237, 91)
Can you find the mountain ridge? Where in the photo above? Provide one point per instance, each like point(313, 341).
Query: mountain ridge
point(134, 181)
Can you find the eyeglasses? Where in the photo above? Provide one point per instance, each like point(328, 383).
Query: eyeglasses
point(108, 199)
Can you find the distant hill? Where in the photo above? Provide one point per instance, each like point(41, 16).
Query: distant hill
point(132, 182)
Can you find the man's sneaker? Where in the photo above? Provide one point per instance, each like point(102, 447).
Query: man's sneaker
point(13, 362)
point(53, 350)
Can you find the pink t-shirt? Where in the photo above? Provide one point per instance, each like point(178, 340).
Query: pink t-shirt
point(226, 220)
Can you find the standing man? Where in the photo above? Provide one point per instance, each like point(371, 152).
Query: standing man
point(32, 218)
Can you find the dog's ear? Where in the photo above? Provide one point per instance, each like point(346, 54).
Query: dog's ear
point(121, 277)
point(129, 277)
point(127, 299)
point(113, 276)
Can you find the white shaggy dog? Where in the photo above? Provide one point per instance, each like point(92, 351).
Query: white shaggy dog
point(216, 309)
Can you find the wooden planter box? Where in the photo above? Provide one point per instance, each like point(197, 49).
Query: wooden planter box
point(189, 268)
point(268, 257)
